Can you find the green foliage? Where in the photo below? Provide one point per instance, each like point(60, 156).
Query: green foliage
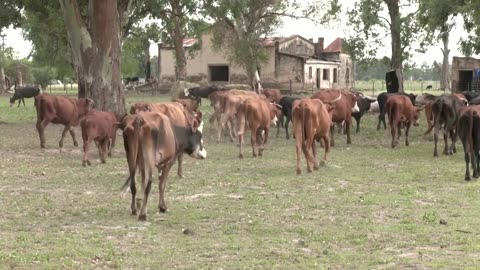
point(471, 16)
point(43, 75)
point(10, 13)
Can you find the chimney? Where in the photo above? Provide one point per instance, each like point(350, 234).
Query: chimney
point(319, 46)
point(311, 40)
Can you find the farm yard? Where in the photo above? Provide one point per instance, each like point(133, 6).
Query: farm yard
point(369, 207)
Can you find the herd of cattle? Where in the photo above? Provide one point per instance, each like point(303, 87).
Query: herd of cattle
point(155, 135)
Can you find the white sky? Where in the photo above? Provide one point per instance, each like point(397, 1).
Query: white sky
point(303, 27)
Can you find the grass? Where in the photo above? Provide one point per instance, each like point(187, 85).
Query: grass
point(370, 207)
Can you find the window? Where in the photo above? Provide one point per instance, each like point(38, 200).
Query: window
point(335, 75)
point(219, 73)
point(326, 74)
point(309, 72)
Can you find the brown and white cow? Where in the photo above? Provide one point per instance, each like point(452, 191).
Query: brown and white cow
point(401, 112)
point(177, 114)
point(311, 120)
point(60, 110)
point(258, 115)
point(101, 128)
point(344, 104)
point(152, 140)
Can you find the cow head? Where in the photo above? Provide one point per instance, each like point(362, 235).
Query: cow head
point(195, 142)
point(84, 105)
point(198, 118)
point(275, 112)
point(140, 107)
point(186, 92)
point(353, 100)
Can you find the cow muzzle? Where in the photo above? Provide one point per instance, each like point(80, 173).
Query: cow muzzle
point(355, 108)
point(199, 153)
point(274, 120)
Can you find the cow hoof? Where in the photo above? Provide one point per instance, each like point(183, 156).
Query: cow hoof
point(309, 170)
point(299, 172)
point(316, 167)
point(142, 217)
point(322, 163)
point(162, 209)
point(75, 144)
point(103, 161)
point(134, 212)
point(467, 178)
point(110, 154)
point(60, 145)
point(240, 156)
point(84, 164)
point(89, 163)
point(42, 145)
point(180, 176)
point(475, 175)
point(435, 154)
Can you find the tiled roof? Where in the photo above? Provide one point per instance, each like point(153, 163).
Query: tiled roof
point(335, 46)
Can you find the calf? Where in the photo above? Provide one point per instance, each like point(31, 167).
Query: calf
point(177, 115)
point(152, 140)
point(286, 102)
point(198, 93)
point(60, 110)
point(428, 101)
point(363, 103)
point(189, 104)
point(24, 92)
point(311, 122)
point(400, 112)
point(100, 127)
point(468, 129)
point(258, 114)
point(445, 110)
point(382, 100)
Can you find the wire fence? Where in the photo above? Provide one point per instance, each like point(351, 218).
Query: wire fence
point(374, 87)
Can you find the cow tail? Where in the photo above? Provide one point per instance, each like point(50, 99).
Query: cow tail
point(241, 114)
point(38, 104)
point(470, 131)
point(304, 125)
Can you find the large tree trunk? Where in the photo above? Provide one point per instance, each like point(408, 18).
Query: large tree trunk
point(96, 52)
point(395, 28)
point(147, 61)
point(180, 59)
point(444, 79)
point(3, 86)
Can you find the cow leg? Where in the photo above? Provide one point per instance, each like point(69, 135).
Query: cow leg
point(230, 126)
point(306, 153)
point(348, 124)
point(289, 120)
point(332, 132)
point(435, 142)
point(114, 140)
point(146, 186)
point(41, 131)
point(72, 133)
point(358, 124)
point(19, 101)
point(240, 145)
point(23, 100)
point(221, 126)
point(407, 129)
point(393, 129)
point(180, 165)
point(298, 146)
point(467, 166)
point(453, 137)
point(445, 140)
point(314, 152)
point(133, 189)
point(253, 141)
point(86, 145)
point(162, 206)
point(264, 142)
point(64, 132)
point(103, 149)
point(384, 123)
point(326, 141)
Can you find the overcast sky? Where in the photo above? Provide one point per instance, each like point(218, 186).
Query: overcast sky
point(303, 27)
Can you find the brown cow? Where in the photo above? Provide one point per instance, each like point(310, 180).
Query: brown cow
point(100, 127)
point(189, 104)
point(345, 104)
point(400, 112)
point(272, 94)
point(177, 115)
point(311, 122)
point(152, 140)
point(258, 114)
point(229, 109)
point(60, 110)
point(468, 130)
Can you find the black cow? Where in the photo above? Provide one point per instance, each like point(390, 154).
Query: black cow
point(131, 79)
point(470, 95)
point(24, 92)
point(382, 100)
point(468, 130)
point(287, 104)
point(363, 104)
point(474, 101)
point(198, 93)
point(445, 111)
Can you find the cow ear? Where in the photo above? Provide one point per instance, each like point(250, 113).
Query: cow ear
point(90, 102)
point(198, 115)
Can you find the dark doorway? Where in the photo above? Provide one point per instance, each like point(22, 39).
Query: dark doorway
point(318, 78)
point(465, 78)
point(219, 73)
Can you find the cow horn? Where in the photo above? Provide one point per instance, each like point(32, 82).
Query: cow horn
point(91, 101)
point(338, 98)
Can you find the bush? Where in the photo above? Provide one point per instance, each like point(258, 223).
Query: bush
point(43, 75)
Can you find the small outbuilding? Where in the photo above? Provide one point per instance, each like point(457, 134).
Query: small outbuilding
point(465, 74)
